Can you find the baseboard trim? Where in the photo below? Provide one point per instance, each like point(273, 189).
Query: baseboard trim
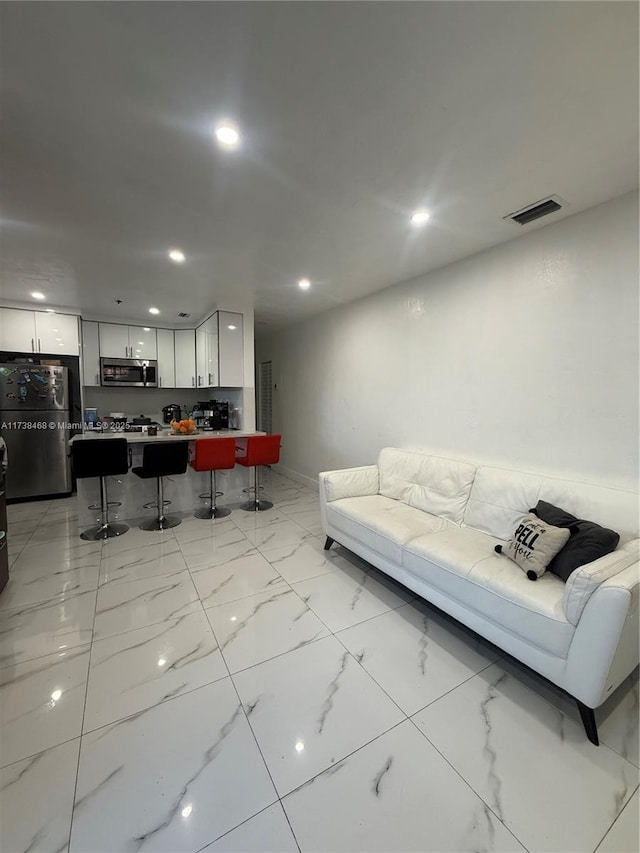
point(309, 482)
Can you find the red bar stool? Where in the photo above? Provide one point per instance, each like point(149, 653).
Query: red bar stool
point(212, 454)
point(252, 452)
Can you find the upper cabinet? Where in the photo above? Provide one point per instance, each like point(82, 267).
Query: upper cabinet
point(230, 349)
point(220, 351)
point(38, 331)
point(166, 359)
point(127, 341)
point(210, 356)
point(207, 353)
point(57, 333)
point(185, 358)
point(90, 354)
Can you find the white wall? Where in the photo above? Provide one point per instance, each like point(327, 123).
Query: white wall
point(525, 355)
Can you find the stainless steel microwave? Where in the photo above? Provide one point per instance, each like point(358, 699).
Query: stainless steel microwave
point(129, 372)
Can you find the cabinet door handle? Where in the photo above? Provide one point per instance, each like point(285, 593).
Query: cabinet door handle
point(97, 379)
point(33, 347)
point(193, 380)
point(160, 381)
point(39, 346)
point(210, 382)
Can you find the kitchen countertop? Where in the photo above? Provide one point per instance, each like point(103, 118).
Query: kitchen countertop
point(143, 438)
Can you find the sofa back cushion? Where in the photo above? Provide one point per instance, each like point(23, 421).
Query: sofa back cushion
point(430, 483)
point(500, 498)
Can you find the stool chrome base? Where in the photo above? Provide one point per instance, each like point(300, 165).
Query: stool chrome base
point(256, 506)
point(164, 522)
point(104, 531)
point(212, 512)
point(161, 521)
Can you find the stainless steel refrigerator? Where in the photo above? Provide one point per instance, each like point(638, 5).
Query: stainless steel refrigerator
point(34, 419)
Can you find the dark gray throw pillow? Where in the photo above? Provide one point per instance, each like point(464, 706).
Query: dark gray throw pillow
point(588, 541)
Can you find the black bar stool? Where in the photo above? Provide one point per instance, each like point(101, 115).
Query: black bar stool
point(101, 457)
point(162, 460)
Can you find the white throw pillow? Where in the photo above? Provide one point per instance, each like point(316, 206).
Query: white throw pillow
point(534, 544)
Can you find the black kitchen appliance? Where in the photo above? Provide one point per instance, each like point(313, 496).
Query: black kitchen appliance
point(172, 412)
point(216, 416)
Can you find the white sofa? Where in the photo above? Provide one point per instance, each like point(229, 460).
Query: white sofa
point(433, 523)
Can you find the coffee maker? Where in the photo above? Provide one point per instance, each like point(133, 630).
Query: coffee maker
point(172, 412)
point(212, 415)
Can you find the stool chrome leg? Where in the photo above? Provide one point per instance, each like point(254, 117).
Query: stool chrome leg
point(161, 521)
point(213, 510)
point(256, 505)
point(106, 529)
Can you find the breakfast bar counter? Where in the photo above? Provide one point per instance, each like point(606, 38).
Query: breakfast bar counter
point(182, 489)
point(164, 434)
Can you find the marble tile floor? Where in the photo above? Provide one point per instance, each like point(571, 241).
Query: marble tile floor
point(231, 686)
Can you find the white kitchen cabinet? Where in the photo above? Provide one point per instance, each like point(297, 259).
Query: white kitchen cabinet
point(166, 359)
point(201, 356)
point(17, 330)
point(211, 350)
point(57, 333)
point(90, 354)
point(143, 342)
point(185, 358)
point(230, 345)
point(220, 351)
point(114, 341)
point(38, 331)
point(118, 341)
point(207, 353)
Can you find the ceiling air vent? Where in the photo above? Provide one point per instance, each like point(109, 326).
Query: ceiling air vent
point(536, 210)
point(183, 314)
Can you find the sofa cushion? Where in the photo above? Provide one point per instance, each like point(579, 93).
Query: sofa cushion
point(456, 550)
point(588, 542)
point(500, 498)
point(430, 483)
point(382, 523)
point(462, 563)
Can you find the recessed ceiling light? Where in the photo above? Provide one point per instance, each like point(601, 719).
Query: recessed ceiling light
point(37, 294)
point(419, 217)
point(304, 284)
point(154, 310)
point(231, 327)
point(177, 256)
point(227, 134)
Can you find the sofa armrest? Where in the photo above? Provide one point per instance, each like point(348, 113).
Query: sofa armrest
point(604, 649)
point(587, 579)
point(348, 483)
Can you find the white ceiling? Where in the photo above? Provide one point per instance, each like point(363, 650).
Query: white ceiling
point(353, 114)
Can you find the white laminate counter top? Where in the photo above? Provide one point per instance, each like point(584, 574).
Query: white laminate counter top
point(164, 434)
